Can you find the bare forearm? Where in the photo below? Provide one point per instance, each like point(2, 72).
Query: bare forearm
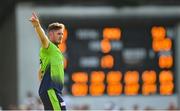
point(42, 36)
point(40, 32)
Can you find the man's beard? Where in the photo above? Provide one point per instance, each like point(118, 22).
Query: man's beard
point(56, 43)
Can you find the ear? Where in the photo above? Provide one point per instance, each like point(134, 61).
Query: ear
point(50, 34)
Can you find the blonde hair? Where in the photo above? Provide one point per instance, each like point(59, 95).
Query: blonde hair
point(55, 26)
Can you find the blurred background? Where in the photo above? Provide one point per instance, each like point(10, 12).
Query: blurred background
point(119, 54)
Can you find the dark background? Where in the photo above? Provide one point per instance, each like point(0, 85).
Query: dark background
point(8, 55)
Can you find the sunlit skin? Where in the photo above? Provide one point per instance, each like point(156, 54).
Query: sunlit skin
point(56, 36)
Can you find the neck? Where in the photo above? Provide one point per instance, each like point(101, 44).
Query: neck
point(56, 44)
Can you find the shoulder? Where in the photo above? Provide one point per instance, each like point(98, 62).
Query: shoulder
point(51, 48)
point(50, 45)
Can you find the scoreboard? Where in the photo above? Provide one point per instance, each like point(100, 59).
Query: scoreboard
point(119, 56)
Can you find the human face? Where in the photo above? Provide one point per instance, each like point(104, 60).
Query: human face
point(56, 36)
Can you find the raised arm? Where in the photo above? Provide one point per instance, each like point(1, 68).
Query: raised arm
point(40, 32)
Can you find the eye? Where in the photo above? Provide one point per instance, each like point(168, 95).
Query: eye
point(60, 33)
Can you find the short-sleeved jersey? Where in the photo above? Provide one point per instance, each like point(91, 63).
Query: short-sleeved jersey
point(52, 68)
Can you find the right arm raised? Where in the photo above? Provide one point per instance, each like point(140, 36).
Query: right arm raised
point(40, 32)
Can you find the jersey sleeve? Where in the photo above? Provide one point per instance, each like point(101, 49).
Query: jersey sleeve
point(50, 48)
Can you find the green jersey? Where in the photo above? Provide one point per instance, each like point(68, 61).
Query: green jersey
point(53, 58)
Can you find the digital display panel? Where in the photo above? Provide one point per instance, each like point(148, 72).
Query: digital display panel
point(119, 56)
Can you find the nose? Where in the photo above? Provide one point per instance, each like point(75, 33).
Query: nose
point(60, 38)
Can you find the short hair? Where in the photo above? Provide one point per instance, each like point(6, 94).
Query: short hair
point(55, 26)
